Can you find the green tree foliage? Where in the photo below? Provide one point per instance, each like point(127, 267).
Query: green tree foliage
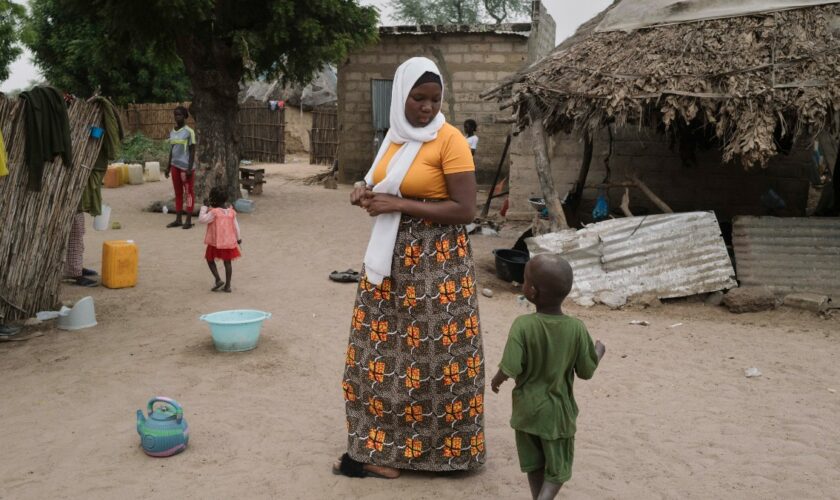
point(459, 11)
point(434, 12)
point(506, 10)
point(11, 16)
point(221, 41)
point(77, 55)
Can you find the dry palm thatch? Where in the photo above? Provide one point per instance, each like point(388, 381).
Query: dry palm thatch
point(36, 225)
point(752, 80)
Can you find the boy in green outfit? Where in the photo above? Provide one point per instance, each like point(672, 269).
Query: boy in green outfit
point(544, 351)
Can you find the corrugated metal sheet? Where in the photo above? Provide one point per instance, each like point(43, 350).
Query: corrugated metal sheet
point(380, 91)
point(635, 14)
point(668, 255)
point(789, 254)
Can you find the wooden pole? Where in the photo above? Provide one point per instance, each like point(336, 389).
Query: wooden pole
point(655, 199)
point(577, 194)
point(625, 203)
point(556, 216)
point(486, 208)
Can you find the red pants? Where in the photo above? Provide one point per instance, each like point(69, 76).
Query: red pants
point(183, 187)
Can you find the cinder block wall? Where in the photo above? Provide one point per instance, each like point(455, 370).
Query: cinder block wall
point(728, 189)
point(470, 63)
point(541, 41)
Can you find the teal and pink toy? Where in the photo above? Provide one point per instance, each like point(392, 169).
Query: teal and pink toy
point(165, 432)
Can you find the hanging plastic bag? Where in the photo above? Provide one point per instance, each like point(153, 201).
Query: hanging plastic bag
point(602, 208)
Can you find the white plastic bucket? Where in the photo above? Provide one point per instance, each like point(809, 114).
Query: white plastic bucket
point(100, 222)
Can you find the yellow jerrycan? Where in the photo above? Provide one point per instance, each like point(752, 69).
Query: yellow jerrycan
point(119, 264)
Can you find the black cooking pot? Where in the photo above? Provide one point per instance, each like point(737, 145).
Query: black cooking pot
point(510, 264)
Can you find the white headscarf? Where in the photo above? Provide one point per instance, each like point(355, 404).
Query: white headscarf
point(380, 250)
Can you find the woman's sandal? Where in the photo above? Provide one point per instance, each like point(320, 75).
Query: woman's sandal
point(348, 276)
point(351, 468)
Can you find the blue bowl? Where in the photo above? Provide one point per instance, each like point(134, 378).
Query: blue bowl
point(244, 206)
point(97, 132)
point(237, 330)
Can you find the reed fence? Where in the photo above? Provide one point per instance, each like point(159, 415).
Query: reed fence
point(153, 120)
point(323, 137)
point(261, 130)
point(36, 224)
point(261, 133)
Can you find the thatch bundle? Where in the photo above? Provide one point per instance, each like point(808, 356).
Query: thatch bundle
point(36, 225)
point(752, 81)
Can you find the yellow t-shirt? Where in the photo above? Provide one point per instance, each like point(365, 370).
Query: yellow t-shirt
point(448, 154)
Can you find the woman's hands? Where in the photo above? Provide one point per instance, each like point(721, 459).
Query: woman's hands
point(458, 209)
point(380, 203)
point(374, 203)
point(360, 191)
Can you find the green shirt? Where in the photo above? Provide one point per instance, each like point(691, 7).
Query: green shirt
point(543, 353)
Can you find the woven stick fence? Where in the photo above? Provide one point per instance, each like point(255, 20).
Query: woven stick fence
point(36, 225)
point(261, 133)
point(261, 130)
point(323, 137)
point(154, 120)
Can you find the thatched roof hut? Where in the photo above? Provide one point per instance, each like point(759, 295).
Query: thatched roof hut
point(752, 81)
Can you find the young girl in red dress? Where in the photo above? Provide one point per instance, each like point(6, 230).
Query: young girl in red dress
point(222, 238)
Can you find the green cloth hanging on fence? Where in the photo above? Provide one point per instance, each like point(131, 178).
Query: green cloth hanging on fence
point(92, 196)
point(114, 133)
point(47, 132)
point(4, 171)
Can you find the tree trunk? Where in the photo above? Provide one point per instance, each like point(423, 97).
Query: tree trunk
point(556, 216)
point(214, 69)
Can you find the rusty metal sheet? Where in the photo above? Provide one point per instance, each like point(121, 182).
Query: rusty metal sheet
point(788, 254)
point(667, 255)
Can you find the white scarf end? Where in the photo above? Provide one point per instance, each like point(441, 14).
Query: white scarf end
point(374, 277)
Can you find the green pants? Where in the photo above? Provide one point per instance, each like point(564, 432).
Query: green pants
point(553, 455)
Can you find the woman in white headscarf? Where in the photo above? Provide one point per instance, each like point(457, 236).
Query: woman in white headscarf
point(414, 375)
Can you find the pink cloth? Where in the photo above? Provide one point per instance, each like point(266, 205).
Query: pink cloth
point(222, 227)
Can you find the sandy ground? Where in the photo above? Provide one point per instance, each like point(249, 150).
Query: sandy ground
point(669, 413)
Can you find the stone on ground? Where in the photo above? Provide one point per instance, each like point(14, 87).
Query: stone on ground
point(750, 299)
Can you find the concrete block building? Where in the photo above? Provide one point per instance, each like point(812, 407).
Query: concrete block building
point(472, 59)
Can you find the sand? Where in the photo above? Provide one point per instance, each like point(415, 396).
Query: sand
point(669, 414)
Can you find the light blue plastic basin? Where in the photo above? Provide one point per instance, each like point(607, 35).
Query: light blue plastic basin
point(237, 330)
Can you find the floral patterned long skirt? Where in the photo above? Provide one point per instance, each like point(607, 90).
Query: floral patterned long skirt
point(414, 376)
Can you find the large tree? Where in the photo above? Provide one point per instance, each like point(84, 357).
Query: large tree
point(222, 41)
point(506, 10)
point(11, 16)
point(76, 55)
point(459, 11)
